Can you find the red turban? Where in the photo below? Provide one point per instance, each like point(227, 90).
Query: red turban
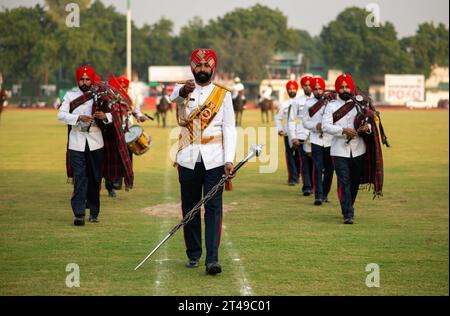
point(344, 78)
point(305, 79)
point(207, 55)
point(124, 81)
point(114, 82)
point(292, 83)
point(318, 81)
point(85, 70)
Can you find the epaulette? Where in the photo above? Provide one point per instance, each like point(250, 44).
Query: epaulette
point(220, 86)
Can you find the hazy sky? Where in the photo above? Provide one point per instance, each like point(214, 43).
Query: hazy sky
point(308, 15)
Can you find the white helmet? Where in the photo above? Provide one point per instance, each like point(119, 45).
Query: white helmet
point(237, 80)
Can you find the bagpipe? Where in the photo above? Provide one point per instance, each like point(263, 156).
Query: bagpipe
point(367, 112)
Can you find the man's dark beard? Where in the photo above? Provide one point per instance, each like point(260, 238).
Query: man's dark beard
point(292, 94)
point(345, 96)
point(202, 77)
point(84, 88)
point(318, 96)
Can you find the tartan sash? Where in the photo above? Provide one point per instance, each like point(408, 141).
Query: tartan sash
point(316, 107)
point(342, 111)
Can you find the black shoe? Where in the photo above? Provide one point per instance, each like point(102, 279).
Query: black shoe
point(192, 263)
point(325, 200)
point(112, 193)
point(79, 221)
point(93, 219)
point(307, 193)
point(213, 268)
point(292, 183)
point(348, 220)
point(318, 202)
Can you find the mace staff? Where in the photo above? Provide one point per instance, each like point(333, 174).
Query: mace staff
point(255, 150)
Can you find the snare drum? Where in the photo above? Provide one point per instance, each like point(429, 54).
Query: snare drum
point(137, 140)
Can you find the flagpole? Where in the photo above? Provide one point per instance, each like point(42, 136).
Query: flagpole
point(128, 72)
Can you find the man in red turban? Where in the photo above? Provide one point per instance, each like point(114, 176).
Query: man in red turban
point(207, 147)
point(344, 86)
point(299, 136)
point(348, 148)
point(124, 82)
point(291, 154)
point(320, 142)
point(85, 145)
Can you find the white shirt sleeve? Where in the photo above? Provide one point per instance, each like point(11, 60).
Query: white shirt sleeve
point(300, 131)
point(64, 115)
point(175, 96)
point(307, 120)
point(291, 121)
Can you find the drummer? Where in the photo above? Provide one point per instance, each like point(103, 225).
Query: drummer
point(113, 174)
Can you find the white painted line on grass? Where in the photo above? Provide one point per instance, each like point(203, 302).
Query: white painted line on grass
point(164, 228)
point(245, 289)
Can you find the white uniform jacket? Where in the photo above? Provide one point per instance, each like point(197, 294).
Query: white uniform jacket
point(282, 114)
point(214, 154)
point(296, 130)
point(310, 123)
point(78, 138)
point(339, 148)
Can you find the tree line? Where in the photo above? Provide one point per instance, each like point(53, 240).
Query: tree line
point(36, 44)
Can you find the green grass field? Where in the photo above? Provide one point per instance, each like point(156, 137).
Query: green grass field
point(275, 241)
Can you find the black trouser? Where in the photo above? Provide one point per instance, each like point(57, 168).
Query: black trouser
point(348, 171)
point(87, 167)
point(306, 170)
point(323, 171)
point(292, 161)
point(193, 182)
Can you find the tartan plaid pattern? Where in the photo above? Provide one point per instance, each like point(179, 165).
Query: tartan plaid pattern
point(373, 170)
point(117, 163)
point(342, 111)
point(316, 107)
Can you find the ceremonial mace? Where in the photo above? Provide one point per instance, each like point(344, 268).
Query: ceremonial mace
point(255, 150)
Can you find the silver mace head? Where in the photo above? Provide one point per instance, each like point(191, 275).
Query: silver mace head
point(255, 150)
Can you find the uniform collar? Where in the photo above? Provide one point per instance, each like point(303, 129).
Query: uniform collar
point(197, 86)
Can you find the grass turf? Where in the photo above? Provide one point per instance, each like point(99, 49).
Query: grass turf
point(286, 246)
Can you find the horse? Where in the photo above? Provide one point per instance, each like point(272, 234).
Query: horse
point(238, 106)
point(3, 97)
point(163, 106)
point(266, 105)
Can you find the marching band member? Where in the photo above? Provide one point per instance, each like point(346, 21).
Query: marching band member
point(85, 146)
point(114, 170)
point(207, 148)
point(291, 154)
point(348, 148)
point(299, 136)
point(320, 142)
